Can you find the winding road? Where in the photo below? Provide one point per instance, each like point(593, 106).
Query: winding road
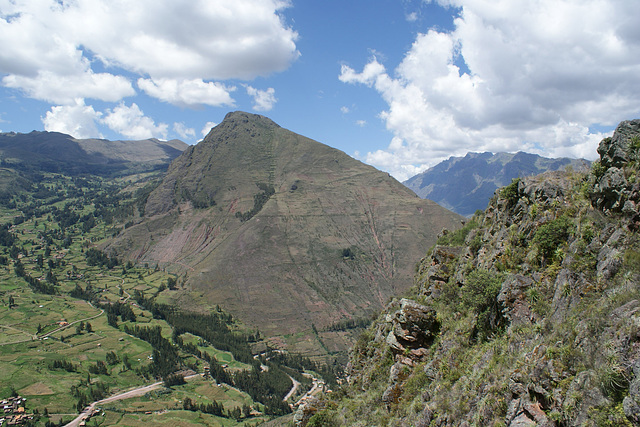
point(293, 390)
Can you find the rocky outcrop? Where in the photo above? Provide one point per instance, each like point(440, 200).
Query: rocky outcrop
point(413, 329)
point(308, 409)
point(513, 298)
point(531, 319)
point(617, 188)
point(618, 150)
point(439, 268)
point(631, 403)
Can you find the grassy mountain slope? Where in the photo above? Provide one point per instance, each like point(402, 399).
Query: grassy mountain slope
point(465, 184)
point(527, 316)
point(286, 233)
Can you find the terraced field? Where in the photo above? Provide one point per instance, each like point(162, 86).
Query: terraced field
point(59, 348)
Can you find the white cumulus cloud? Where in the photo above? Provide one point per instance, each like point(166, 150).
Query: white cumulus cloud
point(57, 89)
point(188, 93)
point(50, 48)
point(132, 123)
point(77, 120)
point(207, 128)
point(183, 131)
point(263, 100)
point(512, 75)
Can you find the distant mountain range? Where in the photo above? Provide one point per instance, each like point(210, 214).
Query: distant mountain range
point(465, 184)
point(59, 152)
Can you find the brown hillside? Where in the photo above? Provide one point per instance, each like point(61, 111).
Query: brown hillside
point(335, 240)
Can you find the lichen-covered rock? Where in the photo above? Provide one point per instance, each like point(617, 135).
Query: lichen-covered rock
point(631, 403)
point(567, 292)
point(513, 297)
point(545, 188)
point(611, 191)
point(437, 271)
point(616, 151)
point(527, 414)
point(609, 262)
point(307, 410)
point(413, 327)
point(397, 374)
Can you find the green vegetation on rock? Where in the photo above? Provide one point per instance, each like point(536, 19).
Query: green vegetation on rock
point(538, 310)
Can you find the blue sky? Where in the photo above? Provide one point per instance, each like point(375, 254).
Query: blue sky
point(399, 84)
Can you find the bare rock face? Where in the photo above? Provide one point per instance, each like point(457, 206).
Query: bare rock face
point(413, 329)
point(513, 296)
point(613, 191)
point(617, 150)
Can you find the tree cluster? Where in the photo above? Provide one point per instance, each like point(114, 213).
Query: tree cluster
point(259, 201)
point(166, 359)
point(63, 364)
point(96, 257)
point(41, 287)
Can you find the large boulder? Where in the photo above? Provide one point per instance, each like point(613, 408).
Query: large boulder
point(617, 150)
point(413, 328)
point(612, 191)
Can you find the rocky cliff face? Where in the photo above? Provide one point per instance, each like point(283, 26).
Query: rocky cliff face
point(528, 316)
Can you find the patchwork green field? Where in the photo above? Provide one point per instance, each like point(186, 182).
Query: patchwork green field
point(78, 325)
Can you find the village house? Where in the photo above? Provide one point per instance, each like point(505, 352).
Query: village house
point(14, 411)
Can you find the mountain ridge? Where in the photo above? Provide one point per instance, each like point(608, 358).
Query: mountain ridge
point(465, 184)
point(55, 151)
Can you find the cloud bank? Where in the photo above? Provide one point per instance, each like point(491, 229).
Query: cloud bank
point(512, 75)
point(177, 51)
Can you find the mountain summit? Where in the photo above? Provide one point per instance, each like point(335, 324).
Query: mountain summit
point(286, 233)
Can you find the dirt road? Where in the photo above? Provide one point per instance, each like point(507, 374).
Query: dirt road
point(141, 391)
point(293, 390)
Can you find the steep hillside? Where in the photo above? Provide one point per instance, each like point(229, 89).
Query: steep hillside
point(286, 233)
point(528, 316)
point(465, 184)
point(58, 152)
